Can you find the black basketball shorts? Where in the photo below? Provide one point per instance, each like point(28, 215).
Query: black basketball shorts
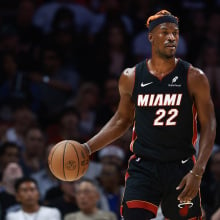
point(151, 183)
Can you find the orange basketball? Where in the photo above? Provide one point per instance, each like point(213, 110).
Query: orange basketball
point(68, 160)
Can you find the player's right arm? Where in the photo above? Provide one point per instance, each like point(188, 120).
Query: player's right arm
point(123, 117)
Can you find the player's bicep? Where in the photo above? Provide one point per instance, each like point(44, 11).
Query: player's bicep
point(126, 105)
point(200, 90)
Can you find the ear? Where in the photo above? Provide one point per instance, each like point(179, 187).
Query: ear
point(150, 37)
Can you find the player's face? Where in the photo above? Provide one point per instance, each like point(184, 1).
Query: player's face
point(165, 39)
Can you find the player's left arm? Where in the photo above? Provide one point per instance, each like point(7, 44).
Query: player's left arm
point(200, 91)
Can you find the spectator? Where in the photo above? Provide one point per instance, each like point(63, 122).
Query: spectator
point(65, 127)
point(23, 118)
point(66, 201)
point(211, 186)
point(111, 188)
point(55, 85)
point(109, 102)
point(44, 177)
point(112, 154)
point(86, 102)
point(9, 40)
point(27, 194)
point(87, 196)
point(70, 44)
point(44, 15)
point(113, 51)
point(110, 12)
point(29, 35)
point(32, 156)
point(15, 86)
point(9, 152)
point(7, 192)
point(209, 61)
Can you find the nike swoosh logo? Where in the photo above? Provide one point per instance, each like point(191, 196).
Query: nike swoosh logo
point(138, 159)
point(184, 161)
point(145, 84)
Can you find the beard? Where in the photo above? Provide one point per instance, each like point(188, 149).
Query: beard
point(166, 55)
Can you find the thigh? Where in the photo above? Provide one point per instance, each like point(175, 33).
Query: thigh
point(169, 203)
point(142, 190)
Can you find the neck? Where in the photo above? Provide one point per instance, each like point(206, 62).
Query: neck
point(90, 212)
point(31, 209)
point(161, 66)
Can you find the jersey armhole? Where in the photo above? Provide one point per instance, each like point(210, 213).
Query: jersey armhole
point(187, 82)
point(133, 89)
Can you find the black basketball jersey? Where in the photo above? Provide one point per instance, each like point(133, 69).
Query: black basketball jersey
point(165, 126)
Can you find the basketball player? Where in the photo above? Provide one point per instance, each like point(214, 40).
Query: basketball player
point(161, 97)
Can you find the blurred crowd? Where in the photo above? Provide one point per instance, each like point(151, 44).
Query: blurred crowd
point(59, 67)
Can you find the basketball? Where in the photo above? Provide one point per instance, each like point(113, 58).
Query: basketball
point(68, 160)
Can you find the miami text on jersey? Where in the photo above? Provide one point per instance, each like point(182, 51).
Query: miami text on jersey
point(145, 100)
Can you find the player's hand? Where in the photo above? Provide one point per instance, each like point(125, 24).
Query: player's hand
point(190, 185)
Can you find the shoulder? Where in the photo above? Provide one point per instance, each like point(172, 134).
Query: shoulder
point(107, 215)
point(71, 216)
point(196, 74)
point(197, 79)
point(128, 73)
point(13, 215)
point(126, 81)
point(195, 71)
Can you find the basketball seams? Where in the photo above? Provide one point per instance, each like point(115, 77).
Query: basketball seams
point(64, 151)
point(77, 157)
point(68, 160)
point(51, 159)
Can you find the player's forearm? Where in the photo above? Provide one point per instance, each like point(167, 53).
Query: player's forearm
point(207, 138)
point(114, 129)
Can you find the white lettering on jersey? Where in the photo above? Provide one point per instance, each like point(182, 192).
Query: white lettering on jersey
point(159, 100)
point(143, 100)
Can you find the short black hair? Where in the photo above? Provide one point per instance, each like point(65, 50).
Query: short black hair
point(89, 180)
point(24, 179)
point(8, 144)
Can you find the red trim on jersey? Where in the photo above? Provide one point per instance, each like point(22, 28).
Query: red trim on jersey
point(194, 159)
point(142, 205)
point(126, 177)
point(194, 112)
point(133, 138)
point(121, 210)
point(127, 174)
point(187, 78)
point(194, 138)
point(196, 218)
